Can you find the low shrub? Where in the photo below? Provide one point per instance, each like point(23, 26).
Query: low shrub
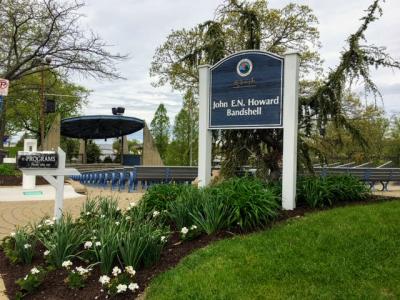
point(62, 239)
point(325, 191)
point(30, 282)
point(180, 210)
point(19, 247)
point(7, 170)
point(211, 213)
point(250, 202)
point(158, 196)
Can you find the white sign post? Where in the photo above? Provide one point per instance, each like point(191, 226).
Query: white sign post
point(56, 178)
point(247, 65)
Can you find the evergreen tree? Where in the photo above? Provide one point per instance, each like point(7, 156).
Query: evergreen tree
point(160, 128)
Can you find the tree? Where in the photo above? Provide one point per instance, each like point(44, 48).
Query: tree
point(160, 127)
point(184, 146)
point(24, 101)
point(253, 25)
point(32, 30)
point(336, 144)
point(70, 147)
point(93, 152)
point(134, 147)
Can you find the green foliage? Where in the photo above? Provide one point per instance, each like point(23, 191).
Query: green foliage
point(252, 204)
point(160, 129)
point(7, 170)
point(20, 246)
point(187, 201)
point(62, 238)
point(30, 282)
point(325, 191)
point(76, 279)
point(93, 152)
point(183, 150)
point(158, 196)
point(211, 214)
point(25, 245)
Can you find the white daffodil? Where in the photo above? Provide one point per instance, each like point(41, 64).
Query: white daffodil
point(35, 270)
point(97, 244)
point(127, 218)
point(193, 227)
point(155, 213)
point(104, 279)
point(66, 264)
point(133, 286)
point(82, 270)
point(116, 271)
point(117, 223)
point(163, 239)
point(12, 234)
point(48, 222)
point(121, 288)
point(88, 213)
point(88, 245)
point(27, 246)
point(184, 230)
point(46, 253)
point(102, 216)
point(130, 270)
point(133, 204)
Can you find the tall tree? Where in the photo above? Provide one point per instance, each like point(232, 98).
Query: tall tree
point(24, 101)
point(248, 25)
point(33, 30)
point(160, 128)
point(183, 149)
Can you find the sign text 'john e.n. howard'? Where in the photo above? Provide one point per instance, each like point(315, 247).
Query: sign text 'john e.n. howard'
point(247, 91)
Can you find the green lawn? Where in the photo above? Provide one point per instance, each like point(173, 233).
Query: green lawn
point(343, 253)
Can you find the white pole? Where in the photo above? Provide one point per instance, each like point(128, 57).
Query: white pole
point(290, 127)
point(29, 181)
point(205, 135)
point(59, 201)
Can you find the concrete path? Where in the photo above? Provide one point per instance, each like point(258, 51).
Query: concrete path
point(20, 213)
point(41, 192)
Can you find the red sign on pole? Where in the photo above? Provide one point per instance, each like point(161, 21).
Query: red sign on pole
point(4, 83)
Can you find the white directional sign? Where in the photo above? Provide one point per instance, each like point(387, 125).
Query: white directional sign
point(54, 176)
point(4, 84)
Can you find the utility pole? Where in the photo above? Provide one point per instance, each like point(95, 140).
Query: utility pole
point(44, 61)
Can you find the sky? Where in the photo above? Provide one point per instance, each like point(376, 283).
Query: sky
point(137, 27)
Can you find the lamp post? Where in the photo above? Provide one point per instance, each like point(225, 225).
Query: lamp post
point(45, 61)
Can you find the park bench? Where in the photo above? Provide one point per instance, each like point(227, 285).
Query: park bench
point(371, 176)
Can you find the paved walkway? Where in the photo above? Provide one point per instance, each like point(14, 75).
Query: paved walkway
point(20, 213)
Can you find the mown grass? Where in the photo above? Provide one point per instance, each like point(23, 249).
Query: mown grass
point(344, 253)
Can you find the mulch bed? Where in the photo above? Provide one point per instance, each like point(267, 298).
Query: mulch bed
point(8, 180)
point(55, 288)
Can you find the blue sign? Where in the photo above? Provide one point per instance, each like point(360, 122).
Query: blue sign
point(1, 104)
point(247, 91)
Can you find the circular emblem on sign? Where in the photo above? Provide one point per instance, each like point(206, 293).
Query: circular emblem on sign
point(244, 67)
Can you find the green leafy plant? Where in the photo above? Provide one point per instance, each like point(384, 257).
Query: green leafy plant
point(211, 214)
point(325, 191)
point(19, 247)
point(30, 282)
point(76, 278)
point(180, 209)
point(63, 241)
point(158, 196)
point(251, 203)
point(7, 170)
